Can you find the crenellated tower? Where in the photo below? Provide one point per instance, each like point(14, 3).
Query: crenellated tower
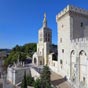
point(72, 24)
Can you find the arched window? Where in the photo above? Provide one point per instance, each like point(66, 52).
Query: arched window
point(61, 62)
point(60, 40)
point(40, 62)
point(81, 24)
point(35, 60)
point(62, 50)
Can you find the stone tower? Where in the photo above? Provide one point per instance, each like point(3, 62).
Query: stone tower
point(72, 23)
point(44, 43)
point(63, 25)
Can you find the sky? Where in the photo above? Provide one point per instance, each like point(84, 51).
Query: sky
point(20, 20)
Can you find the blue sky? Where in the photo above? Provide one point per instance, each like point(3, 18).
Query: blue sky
point(20, 20)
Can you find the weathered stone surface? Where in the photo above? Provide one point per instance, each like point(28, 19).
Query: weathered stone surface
point(72, 24)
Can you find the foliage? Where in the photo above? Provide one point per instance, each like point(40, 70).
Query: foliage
point(29, 49)
point(24, 82)
point(17, 48)
point(43, 82)
point(30, 80)
point(45, 77)
point(14, 56)
point(20, 52)
point(37, 83)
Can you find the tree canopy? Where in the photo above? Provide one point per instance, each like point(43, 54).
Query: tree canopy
point(24, 81)
point(20, 52)
point(42, 82)
point(28, 80)
point(45, 77)
point(37, 83)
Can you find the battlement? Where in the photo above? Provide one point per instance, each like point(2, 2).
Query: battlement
point(80, 40)
point(73, 9)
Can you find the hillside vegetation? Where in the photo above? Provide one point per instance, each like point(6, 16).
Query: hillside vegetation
point(20, 52)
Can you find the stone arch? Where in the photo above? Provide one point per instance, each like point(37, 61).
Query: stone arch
point(73, 65)
point(82, 65)
point(82, 52)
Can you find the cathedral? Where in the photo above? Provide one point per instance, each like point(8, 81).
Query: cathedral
point(44, 46)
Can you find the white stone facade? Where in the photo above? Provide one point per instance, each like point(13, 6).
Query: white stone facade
point(72, 24)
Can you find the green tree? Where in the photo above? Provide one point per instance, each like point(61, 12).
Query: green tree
point(20, 52)
point(27, 81)
point(45, 77)
point(17, 48)
point(8, 60)
point(14, 56)
point(30, 48)
point(22, 56)
point(30, 80)
point(24, 82)
point(37, 83)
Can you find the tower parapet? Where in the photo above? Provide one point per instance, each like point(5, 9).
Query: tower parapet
point(72, 9)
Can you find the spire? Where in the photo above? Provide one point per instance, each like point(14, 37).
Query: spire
point(44, 21)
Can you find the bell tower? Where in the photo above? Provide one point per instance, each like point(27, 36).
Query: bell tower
point(45, 34)
point(44, 41)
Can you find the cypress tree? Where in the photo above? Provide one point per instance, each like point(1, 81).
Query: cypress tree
point(24, 81)
point(45, 77)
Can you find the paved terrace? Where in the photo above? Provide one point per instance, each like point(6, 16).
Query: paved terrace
point(58, 81)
